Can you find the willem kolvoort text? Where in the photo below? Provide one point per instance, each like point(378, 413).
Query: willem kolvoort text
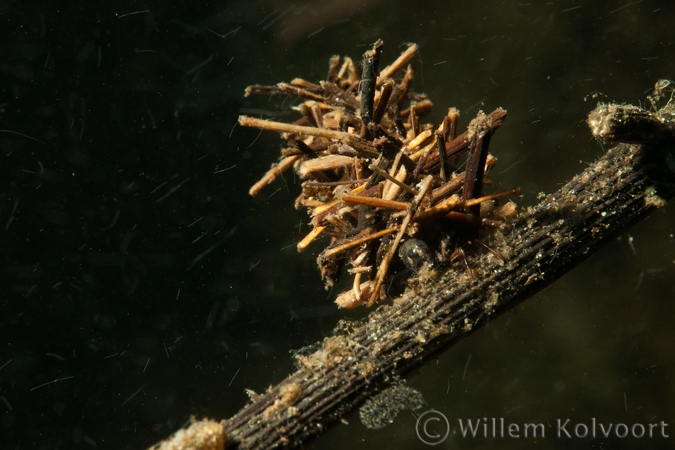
point(498, 428)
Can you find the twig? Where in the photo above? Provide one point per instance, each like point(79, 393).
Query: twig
point(461, 142)
point(397, 65)
point(453, 202)
point(383, 101)
point(334, 183)
point(456, 183)
point(356, 242)
point(273, 174)
point(384, 266)
point(360, 145)
point(384, 174)
point(371, 62)
point(413, 144)
point(246, 121)
point(302, 245)
point(323, 163)
point(283, 89)
point(475, 166)
point(375, 202)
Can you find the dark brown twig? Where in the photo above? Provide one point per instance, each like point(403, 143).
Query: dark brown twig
point(382, 104)
point(371, 63)
point(440, 146)
point(475, 166)
point(462, 142)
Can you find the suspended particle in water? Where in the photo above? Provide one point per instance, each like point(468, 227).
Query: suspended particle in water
point(381, 409)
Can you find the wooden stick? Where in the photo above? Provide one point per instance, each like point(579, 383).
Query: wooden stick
point(485, 198)
point(371, 62)
point(418, 140)
point(397, 65)
point(406, 82)
point(448, 188)
point(392, 172)
point(359, 241)
point(302, 83)
point(440, 146)
point(460, 143)
point(327, 162)
point(283, 89)
point(316, 231)
point(334, 183)
point(394, 189)
point(375, 202)
point(312, 203)
point(333, 67)
point(475, 166)
point(448, 204)
point(413, 121)
point(281, 127)
point(273, 173)
point(383, 101)
point(450, 124)
point(422, 160)
point(348, 300)
point(384, 265)
point(456, 183)
point(386, 175)
point(423, 153)
point(444, 207)
point(348, 68)
point(360, 145)
point(327, 206)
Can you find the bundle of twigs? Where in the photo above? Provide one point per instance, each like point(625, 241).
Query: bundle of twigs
point(382, 186)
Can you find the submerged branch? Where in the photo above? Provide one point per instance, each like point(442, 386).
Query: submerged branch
point(543, 243)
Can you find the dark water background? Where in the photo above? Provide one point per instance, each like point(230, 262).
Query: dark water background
point(130, 170)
